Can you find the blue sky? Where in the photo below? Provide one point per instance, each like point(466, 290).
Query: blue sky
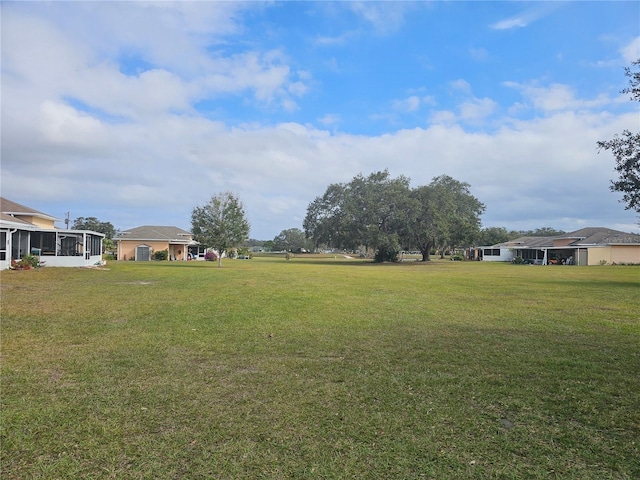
point(135, 112)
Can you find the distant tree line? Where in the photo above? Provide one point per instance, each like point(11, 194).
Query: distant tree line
point(494, 235)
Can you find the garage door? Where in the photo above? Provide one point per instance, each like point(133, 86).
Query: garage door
point(143, 253)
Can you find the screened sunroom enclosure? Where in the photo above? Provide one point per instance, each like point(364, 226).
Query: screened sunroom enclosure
point(58, 248)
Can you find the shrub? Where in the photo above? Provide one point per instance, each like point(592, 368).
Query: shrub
point(210, 257)
point(26, 263)
point(161, 254)
point(518, 260)
point(388, 252)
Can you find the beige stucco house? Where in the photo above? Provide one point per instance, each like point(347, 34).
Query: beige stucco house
point(141, 242)
point(587, 246)
point(26, 231)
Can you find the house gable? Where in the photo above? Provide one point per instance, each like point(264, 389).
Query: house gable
point(11, 209)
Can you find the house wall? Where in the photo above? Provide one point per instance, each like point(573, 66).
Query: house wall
point(40, 222)
point(127, 248)
point(506, 255)
point(596, 255)
point(625, 254)
point(77, 261)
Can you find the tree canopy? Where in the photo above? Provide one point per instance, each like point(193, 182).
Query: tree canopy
point(367, 211)
point(626, 150)
point(384, 214)
point(446, 216)
point(291, 240)
point(92, 223)
point(220, 224)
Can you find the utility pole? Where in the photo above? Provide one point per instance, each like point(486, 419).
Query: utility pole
point(66, 220)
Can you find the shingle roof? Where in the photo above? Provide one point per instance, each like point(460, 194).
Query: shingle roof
point(581, 237)
point(10, 207)
point(10, 219)
point(154, 232)
point(529, 242)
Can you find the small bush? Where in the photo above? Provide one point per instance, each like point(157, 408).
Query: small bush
point(161, 254)
point(518, 261)
point(389, 251)
point(210, 257)
point(26, 263)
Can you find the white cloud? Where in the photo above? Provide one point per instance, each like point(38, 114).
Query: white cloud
point(477, 109)
point(185, 68)
point(442, 117)
point(63, 125)
point(412, 103)
point(385, 17)
point(461, 85)
point(556, 97)
point(509, 23)
point(278, 170)
point(631, 52)
point(526, 17)
point(330, 119)
point(95, 133)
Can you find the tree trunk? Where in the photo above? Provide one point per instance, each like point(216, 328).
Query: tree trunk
point(424, 250)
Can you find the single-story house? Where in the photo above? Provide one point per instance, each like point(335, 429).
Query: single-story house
point(25, 231)
point(141, 242)
point(587, 246)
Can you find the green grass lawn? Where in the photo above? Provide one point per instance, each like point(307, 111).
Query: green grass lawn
point(321, 368)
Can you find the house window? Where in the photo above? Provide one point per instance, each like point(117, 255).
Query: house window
point(70, 245)
point(94, 244)
point(19, 244)
point(45, 242)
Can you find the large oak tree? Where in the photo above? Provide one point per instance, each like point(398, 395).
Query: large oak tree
point(383, 214)
point(446, 215)
point(368, 211)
